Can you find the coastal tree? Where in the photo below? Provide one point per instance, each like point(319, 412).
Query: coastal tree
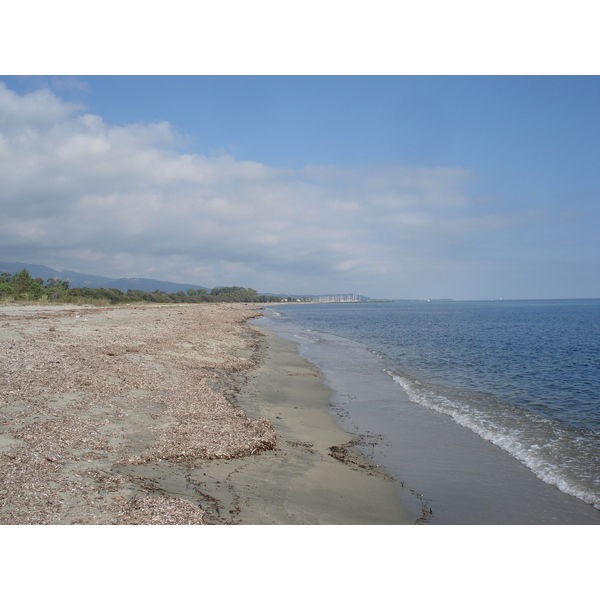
point(196, 292)
point(6, 289)
point(57, 283)
point(23, 286)
point(26, 287)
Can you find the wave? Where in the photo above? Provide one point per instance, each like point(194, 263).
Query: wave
point(305, 337)
point(554, 454)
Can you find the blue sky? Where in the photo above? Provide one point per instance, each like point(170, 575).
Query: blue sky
point(470, 187)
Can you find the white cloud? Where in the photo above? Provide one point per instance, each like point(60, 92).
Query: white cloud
point(39, 110)
point(80, 193)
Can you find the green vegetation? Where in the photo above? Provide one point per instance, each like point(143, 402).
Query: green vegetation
point(22, 287)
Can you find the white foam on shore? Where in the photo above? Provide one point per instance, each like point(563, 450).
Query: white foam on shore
point(549, 452)
point(464, 478)
point(307, 338)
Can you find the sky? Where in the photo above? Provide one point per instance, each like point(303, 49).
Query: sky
point(463, 187)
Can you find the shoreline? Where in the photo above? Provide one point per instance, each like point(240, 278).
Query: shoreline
point(172, 414)
point(457, 477)
point(315, 475)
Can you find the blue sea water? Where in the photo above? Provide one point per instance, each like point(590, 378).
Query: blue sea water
point(523, 375)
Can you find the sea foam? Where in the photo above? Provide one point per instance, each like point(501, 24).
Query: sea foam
point(553, 454)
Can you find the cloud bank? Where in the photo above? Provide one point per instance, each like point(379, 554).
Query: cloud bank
point(82, 194)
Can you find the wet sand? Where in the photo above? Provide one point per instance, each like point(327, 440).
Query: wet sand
point(175, 414)
point(316, 475)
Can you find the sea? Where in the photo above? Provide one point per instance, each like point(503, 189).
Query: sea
point(484, 412)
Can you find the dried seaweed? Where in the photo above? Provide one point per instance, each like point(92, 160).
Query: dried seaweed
point(79, 391)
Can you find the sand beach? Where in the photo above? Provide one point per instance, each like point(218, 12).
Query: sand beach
point(172, 414)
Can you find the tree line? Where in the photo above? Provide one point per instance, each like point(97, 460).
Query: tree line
point(22, 286)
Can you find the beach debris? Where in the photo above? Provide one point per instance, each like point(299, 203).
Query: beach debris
point(155, 401)
point(158, 510)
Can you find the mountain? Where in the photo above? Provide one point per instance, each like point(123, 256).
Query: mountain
point(76, 279)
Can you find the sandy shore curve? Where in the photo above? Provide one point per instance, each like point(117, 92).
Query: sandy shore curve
point(172, 414)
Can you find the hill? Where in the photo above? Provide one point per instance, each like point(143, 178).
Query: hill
point(84, 280)
point(77, 280)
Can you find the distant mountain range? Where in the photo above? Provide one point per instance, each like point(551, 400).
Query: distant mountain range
point(77, 280)
point(98, 281)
